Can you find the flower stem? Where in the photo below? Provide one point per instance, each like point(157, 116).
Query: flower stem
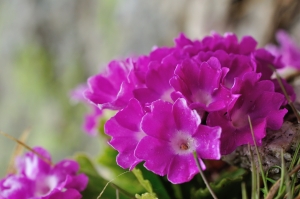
point(258, 157)
point(203, 176)
point(119, 189)
point(244, 191)
point(285, 93)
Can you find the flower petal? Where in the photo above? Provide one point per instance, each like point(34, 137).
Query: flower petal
point(182, 169)
point(157, 154)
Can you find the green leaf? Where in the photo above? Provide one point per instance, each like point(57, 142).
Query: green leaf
point(127, 181)
point(96, 183)
point(225, 187)
point(146, 196)
point(150, 181)
point(145, 183)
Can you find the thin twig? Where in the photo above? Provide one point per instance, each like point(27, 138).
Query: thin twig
point(285, 93)
point(112, 184)
point(117, 194)
point(258, 156)
point(253, 174)
point(275, 187)
point(119, 189)
point(203, 176)
point(27, 147)
point(244, 191)
point(17, 151)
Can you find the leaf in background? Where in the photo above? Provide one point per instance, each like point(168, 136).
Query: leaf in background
point(96, 182)
point(225, 187)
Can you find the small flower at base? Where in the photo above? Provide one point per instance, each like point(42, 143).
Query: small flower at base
point(38, 179)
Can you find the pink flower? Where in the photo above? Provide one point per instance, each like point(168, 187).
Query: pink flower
point(112, 89)
point(91, 120)
point(173, 134)
point(38, 179)
point(287, 49)
point(259, 101)
point(201, 85)
point(162, 96)
point(157, 79)
point(126, 132)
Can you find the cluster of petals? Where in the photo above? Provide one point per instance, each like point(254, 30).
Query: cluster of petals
point(36, 178)
point(288, 50)
point(195, 97)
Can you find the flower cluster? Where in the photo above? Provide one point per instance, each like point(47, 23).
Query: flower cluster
point(38, 179)
point(195, 97)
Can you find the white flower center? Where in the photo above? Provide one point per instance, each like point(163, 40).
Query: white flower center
point(183, 143)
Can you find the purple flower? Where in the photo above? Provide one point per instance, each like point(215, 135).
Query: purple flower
point(161, 97)
point(112, 89)
point(157, 81)
point(126, 132)
point(263, 59)
point(233, 65)
point(38, 179)
point(173, 134)
point(226, 48)
point(201, 85)
point(228, 43)
point(288, 50)
point(258, 100)
point(288, 88)
point(91, 120)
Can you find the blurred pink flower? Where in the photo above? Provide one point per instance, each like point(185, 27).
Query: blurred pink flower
point(38, 179)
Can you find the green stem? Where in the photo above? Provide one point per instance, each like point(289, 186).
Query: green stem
point(294, 176)
point(275, 186)
point(203, 176)
point(295, 156)
point(117, 194)
point(285, 93)
point(244, 191)
point(122, 191)
point(258, 157)
point(253, 175)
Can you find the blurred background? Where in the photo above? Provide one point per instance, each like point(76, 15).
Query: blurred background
point(48, 47)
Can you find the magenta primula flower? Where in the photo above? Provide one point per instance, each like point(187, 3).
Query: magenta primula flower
point(173, 133)
point(288, 88)
point(162, 96)
point(38, 179)
point(201, 85)
point(228, 43)
point(91, 120)
point(157, 81)
point(112, 89)
point(287, 50)
point(258, 100)
point(126, 132)
point(233, 65)
point(226, 48)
